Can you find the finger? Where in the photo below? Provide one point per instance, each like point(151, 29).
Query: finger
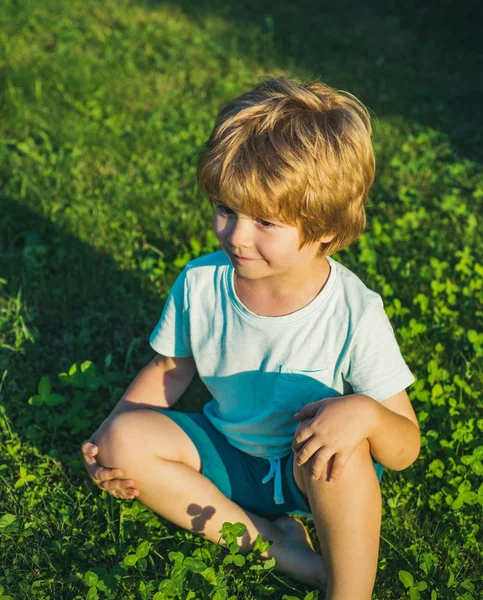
point(311, 446)
point(103, 485)
point(335, 468)
point(109, 486)
point(117, 494)
point(318, 466)
point(126, 483)
point(103, 474)
point(306, 411)
point(118, 485)
point(302, 434)
point(89, 460)
point(127, 494)
point(89, 448)
point(113, 489)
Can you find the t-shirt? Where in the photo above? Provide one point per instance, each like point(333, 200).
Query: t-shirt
point(261, 370)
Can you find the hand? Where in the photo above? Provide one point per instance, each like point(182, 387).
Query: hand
point(109, 480)
point(331, 429)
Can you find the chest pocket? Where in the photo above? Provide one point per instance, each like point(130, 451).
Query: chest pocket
point(295, 387)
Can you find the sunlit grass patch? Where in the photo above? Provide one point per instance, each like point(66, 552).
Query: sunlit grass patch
point(105, 107)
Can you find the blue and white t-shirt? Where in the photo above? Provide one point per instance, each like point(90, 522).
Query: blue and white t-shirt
point(261, 370)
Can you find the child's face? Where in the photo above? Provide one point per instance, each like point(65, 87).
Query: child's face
point(271, 246)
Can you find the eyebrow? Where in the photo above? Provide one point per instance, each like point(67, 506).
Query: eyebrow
point(266, 218)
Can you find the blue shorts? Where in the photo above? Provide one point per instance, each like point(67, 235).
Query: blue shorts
point(239, 475)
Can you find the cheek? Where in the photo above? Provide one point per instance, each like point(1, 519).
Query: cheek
point(218, 227)
point(284, 248)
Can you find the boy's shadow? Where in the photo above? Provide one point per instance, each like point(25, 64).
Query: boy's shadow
point(76, 305)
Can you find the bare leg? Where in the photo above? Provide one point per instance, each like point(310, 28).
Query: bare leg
point(347, 516)
point(149, 448)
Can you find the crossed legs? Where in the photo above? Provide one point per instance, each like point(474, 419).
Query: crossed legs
point(164, 463)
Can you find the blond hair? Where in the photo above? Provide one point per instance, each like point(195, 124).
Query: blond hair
point(299, 152)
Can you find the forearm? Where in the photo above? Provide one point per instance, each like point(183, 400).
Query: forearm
point(395, 441)
point(152, 390)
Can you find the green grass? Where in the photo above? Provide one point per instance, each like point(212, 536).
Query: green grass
point(104, 107)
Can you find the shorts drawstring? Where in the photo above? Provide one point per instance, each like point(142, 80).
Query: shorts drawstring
point(275, 471)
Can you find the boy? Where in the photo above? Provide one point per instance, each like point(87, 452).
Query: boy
point(274, 327)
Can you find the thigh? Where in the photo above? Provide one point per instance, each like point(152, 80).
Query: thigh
point(238, 475)
point(218, 459)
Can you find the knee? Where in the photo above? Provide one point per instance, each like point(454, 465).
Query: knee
point(360, 457)
point(359, 462)
point(118, 441)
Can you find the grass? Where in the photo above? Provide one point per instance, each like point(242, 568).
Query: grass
point(104, 107)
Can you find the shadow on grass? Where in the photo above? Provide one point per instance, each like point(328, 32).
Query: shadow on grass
point(77, 305)
point(420, 62)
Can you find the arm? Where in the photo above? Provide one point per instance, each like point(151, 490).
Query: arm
point(394, 436)
point(159, 385)
point(375, 365)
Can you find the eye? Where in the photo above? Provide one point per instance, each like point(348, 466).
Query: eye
point(223, 209)
point(265, 224)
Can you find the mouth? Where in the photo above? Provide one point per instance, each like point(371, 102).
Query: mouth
point(243, 259)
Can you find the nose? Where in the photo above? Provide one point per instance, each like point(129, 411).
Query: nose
point(240, 233)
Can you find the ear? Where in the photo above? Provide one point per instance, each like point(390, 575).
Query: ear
point(327, 238)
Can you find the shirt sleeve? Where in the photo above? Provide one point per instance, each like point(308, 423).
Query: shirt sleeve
point(376, 366)
point(171, 336)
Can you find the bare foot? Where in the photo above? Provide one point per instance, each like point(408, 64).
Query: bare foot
point(295, 554)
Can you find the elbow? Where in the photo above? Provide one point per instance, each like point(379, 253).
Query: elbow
point(409, 464)
point(406, 465)
point(413, 456)
point(417, 445)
